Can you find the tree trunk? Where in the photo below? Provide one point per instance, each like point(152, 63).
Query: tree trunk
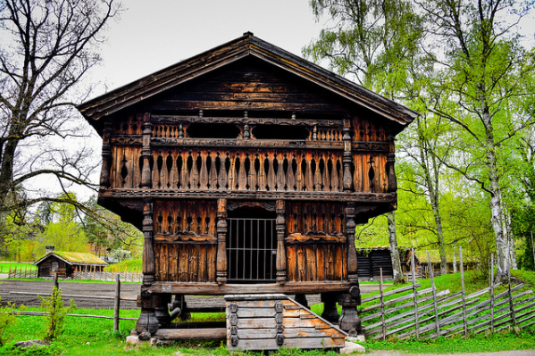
point(394, 252)
point(510, 241)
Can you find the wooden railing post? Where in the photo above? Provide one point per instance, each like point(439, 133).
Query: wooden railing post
point(347, 157)
point(221, 267)
point(146, 152)
point(390, 163)
point(106, 156)
point(116, 303)
point(281, 250)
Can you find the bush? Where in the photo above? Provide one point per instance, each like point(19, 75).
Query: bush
point(56, 310)
point(7, 317)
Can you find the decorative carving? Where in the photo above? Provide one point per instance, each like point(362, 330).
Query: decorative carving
point(236, 204)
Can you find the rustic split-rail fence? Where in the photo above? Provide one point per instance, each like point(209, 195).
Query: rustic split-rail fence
point(428, 313)
point(89, 273)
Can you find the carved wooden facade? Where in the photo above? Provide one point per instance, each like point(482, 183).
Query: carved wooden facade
point(243, 154)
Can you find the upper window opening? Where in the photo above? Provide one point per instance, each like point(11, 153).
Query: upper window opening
point(280, 132)
point(203, 130)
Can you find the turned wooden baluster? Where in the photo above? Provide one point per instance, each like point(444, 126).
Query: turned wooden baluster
point(317, 173)
point(174, 174)
point(261, 171)
point(299, 172)
point(184, 172)
point(194, 172)
point(290, 179)
point(232, 171)
point(271, 171)
point(252, 172)
point(155, 171)
point(334, 176)
point(281, 179)
point(164, 173)
point(212, 176)
point(309, 175)
point(326, 175)
point(222, 178)
point(242, 174)
point(203, 177)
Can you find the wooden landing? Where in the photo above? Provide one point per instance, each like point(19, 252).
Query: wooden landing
point(273, 321)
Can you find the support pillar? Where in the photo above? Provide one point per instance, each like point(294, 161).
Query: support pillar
point(221, 266)
point(330, 312)
point(147, 323)
point(281, 250)
point(302, 299)
point(162, 310)
point(106, 157)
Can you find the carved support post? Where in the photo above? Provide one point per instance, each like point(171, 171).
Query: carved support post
point(162, 310)
point(146, 152)
point(281, 250)
point(347, 179)
point(148, 248)
point(350, 321)
point(390, 163)
point(106, 157)
point(221, 268)
point(147, 323)
point(330, 312)
point(351, 251)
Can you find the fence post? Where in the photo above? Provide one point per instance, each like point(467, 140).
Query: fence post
point(511, 305)
point(117, 303)
point(433, 288)
point(9, 273)
point(415, 297)
point(492, 293)
point(56, 280)
point(383, 326)
point(461, 266)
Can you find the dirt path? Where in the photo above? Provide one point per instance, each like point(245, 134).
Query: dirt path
point(106, 289)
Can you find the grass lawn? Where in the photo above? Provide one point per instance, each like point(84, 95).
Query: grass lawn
point(4, 266)
point(90, 336)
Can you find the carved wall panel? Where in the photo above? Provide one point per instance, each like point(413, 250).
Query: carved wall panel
point(185, 262)
point(316, 262)
point(126, 167)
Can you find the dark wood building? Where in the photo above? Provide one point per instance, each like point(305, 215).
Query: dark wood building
point(247, 168)
point(65, 263)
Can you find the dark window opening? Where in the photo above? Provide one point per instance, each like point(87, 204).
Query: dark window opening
point(201, 130)
point(280, 132)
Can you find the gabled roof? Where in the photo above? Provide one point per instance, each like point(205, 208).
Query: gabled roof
point(74, 258)
point(246, 45)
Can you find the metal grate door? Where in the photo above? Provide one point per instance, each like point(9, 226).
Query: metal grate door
point(251, 250)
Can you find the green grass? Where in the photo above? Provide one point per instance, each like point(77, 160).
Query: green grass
point(61, 280)
point(133, 264)
point(4, 266)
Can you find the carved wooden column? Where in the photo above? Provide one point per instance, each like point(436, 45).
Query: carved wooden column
point(390, 162)
point(147, 323)
point(347, 158)
point(281, 250)
point(221, 268)
point(350, 321)
point(106, 157)
point(146, 152)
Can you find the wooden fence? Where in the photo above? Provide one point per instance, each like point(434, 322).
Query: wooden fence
point(428, 313)
point(116, 306)
point(90, 273)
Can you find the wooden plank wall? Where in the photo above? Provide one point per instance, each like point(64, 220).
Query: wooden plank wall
point(185, 241)
point(316, 248)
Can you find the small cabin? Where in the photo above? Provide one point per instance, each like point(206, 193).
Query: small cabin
point(247, 168)
point(64, 264)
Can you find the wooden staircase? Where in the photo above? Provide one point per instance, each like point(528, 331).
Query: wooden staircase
point(273, 321)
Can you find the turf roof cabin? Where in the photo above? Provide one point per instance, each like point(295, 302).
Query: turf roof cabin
point(65, 263)
point(247, 168)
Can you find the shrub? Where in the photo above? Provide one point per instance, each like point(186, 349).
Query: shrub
point(7, 317)
point(56, 310)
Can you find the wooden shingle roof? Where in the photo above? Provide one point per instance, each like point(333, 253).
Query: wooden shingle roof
point(247, 45)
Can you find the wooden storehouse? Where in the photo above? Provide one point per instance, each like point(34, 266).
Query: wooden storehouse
point(247, 169)
point(64, 264)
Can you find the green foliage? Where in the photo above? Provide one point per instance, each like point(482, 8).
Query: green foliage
point(56, 310)
point(8, 317)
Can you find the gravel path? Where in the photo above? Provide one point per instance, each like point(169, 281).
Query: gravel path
point(106, 289)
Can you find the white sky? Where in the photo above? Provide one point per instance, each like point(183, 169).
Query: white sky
point(151, 35)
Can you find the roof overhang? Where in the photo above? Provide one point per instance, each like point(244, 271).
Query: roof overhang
point(247, 45)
